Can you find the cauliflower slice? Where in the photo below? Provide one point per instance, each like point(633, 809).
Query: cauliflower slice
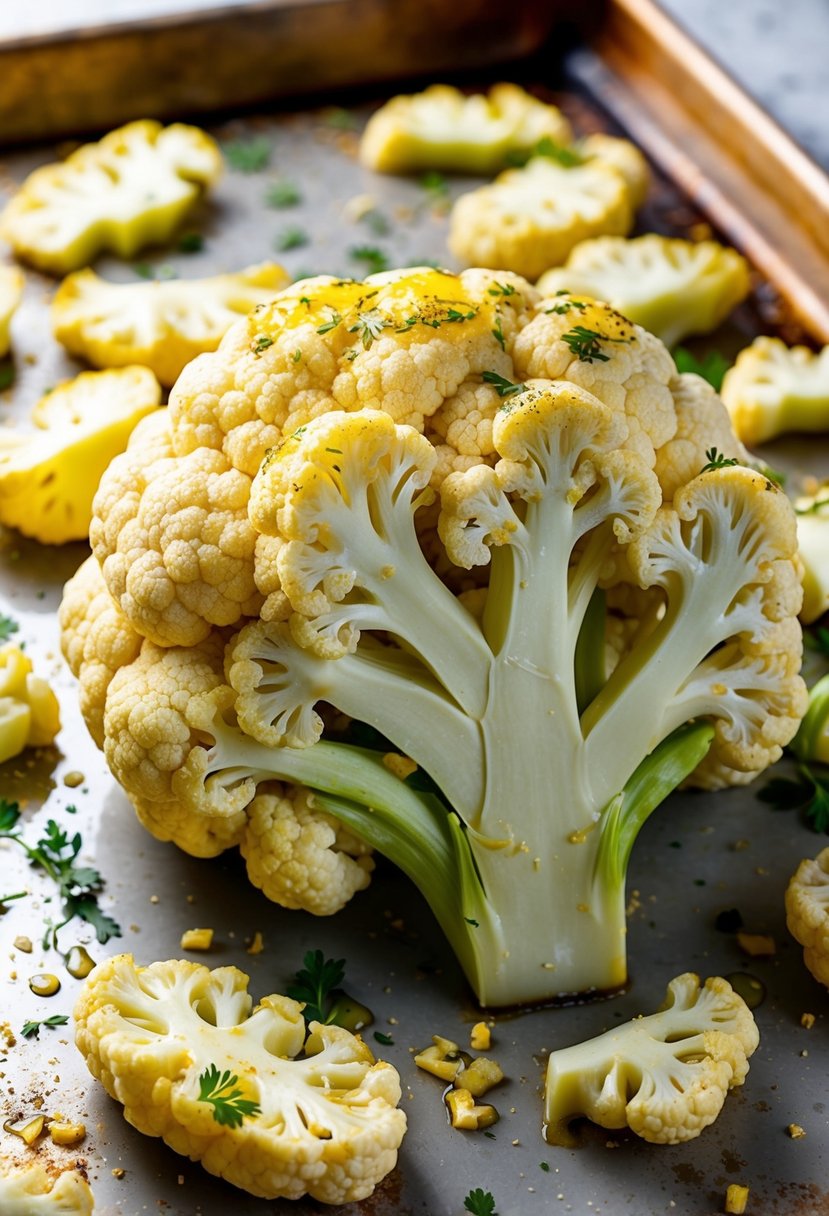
point(813, 545)
point(29, 710)
point(807, 913)
point(773, 389)
point(131, 189)
point(441, 128)
point(162, 325)
point(670, 287)
point(180, 1047)
point(664, 1076)
point(32, 1190)
point(621, 155)
point(11, 293)
point(48, 477)
point(529, 219)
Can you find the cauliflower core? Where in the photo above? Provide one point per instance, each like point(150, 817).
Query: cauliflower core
point(664, 1076)
point(313, 1116)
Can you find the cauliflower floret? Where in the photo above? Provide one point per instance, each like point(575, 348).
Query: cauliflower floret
point(180, 1047)
point(529, 219)
point(813, 545)
point(96, 639)
point(161, 325)
point(29, 710)
point(807, 913)
point(32, 1190)
point(131, 189)
point(623, 156)
point(664, 1076)
point(774, 388)
point(48, 477)
point(702, 423)
point(11, 293)
point(299, 856)
point(441, 128)
point(173, 539)
point(670, 287)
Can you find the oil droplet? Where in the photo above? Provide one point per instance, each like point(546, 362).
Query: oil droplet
point(752, 990)
point(79, 963)
point(350, 1014)
point(27, 1129)
point(74, 779)
point(44, 984)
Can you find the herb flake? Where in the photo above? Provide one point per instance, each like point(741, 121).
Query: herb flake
point(716, 460)
point(374, 259)
point(291, 238)
point(8, 626)
point(584, 344)
point(711, 366)
point(248, 155)
point(282, 194)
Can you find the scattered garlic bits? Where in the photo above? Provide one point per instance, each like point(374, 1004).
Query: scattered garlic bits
point(807, 913)
point(470, 1080)
point(736, 1198)
point(670, 287)
point(246, 1091)
point(31, 1190)
point(11, 293)
point(773, 389)
point(131, 189)
point(48, 476)
point(197, 939)
point(664, 1076)
point(467, 1115)
point(29, 710)
point(480, 1037)
point(66, 1133)
point(813, 546)
point(441, 128)
point(161, 325)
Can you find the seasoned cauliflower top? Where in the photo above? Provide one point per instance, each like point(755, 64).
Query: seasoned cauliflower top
point(308, 1115)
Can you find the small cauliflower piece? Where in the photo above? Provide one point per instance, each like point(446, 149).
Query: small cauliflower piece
point(664, 1076)
point(621, 155)
point(807, 913)
point(530, 219)
point(668, 286)
point(131, 189)
point(48, 477)
point(32, 1190)
point(29, 710)
point(11, 293)
point(441, 128)
point(161, 325)
point(240, 1089)
point(773, 389)
point(813, 546)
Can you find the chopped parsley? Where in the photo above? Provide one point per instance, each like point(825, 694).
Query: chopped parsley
point(31, 1030)
point(317, 985)
point(498, 333)
point(808, 792)
point(436, 188)
point(712, 366)
point(374, 260)
point(471, 921)
point(716, 460)
point(8, 626)
point(584, 344)
point(297, 355)
point(191, 242)
point(385, 1039)
point(145, 270)
point(248, 155)
point(376, 222)
point(55, 854)
point(261, 343)
point(291, 238)
point(502, 386)
point(501, 289)
point(480, 1203)
point(330, 324)
point(566, 306)
point(282, 194)
point(230, 1107)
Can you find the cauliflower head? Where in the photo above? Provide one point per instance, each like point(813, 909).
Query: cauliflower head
point(11, 293)
point(441, 128)
point(773, 389)
point(132, 188)
point(666, 1075)
point(670, 287)
point(161, 325)
point(48, 476)
point(807, 913)
point(246, 1091)
point(31, 1190)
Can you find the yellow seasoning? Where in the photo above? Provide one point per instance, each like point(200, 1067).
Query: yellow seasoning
point(44, 984)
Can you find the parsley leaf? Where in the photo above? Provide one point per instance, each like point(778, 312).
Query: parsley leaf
point(31, 1030)
point(501, 289)
point(261, 343)
point(498, 333)
point(248, 155)
point(282, 194)
point(315, 985)
point(230, 1107)
point(712, 366)
point(374, 259)
point(291, 238)
point(480, 1203)
point(808, 792)
point(8, 626)
point(716, 460)
point(584, 343)
point(502, 386)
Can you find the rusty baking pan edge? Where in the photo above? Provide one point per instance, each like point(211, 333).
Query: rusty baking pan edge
point(242, 55)
point(733, 160)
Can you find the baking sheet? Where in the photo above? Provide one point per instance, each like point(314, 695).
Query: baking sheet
point(699, 854)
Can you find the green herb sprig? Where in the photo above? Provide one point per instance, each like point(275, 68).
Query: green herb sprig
point(480, 1203)
point(282, 194)
point(31, 1030)
point(584, 344)
point(369, 326)
point(716, 460)
point(248, 155)
point(316, 985)
point(503, 387)
point(230, 1106)
point(374, 259)
point(712, 366)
